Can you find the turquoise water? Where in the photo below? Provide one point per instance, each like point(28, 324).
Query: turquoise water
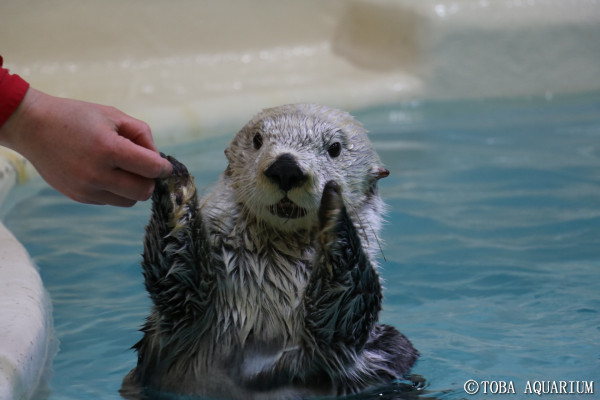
point(492, 249)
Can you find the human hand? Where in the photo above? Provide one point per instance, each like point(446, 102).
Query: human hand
point(91, 153)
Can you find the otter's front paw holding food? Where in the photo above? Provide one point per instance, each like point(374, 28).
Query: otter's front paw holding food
point(270, 289)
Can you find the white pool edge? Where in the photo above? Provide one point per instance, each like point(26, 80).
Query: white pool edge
point(431, 66)
point(27, 343)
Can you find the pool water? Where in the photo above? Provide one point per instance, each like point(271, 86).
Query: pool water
point(492, 248)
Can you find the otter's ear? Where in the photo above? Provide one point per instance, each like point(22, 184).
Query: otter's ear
point(227, 151)
point(380, 172)
point(376, 174)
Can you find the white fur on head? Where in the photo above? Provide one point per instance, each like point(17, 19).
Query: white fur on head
point(307, 132)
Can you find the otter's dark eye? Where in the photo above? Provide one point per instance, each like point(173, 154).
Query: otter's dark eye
point(257, 141)
point(335, 149)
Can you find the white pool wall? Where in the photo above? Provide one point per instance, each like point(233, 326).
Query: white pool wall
point(26, 341)
point(196, 69)
point(202, 68)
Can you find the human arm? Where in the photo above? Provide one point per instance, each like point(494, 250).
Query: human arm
point(91, 153)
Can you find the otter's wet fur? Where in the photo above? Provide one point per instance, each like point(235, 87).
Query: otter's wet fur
point(268, 288)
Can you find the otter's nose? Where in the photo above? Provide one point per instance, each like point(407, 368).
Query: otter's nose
point(285, 172)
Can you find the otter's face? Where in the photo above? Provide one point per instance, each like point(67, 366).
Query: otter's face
point(281, 160)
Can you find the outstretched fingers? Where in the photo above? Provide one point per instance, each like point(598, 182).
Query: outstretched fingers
point(142, 161)
point(137, 131)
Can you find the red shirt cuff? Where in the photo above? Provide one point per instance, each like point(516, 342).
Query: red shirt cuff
point(12, 91)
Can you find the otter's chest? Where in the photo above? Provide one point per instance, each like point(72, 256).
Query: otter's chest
point(260, 284)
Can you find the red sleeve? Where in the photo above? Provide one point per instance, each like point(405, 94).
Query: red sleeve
point(12, 91)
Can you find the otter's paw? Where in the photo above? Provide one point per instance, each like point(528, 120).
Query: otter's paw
point(331, 205)
point(178, 188)
point(333, 219)
point(179, 170)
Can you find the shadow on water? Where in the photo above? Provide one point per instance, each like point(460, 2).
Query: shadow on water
point(414, 387)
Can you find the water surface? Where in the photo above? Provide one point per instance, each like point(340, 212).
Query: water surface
point(492, 248)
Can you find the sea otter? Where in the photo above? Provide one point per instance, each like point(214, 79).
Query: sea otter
point(268, 287)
